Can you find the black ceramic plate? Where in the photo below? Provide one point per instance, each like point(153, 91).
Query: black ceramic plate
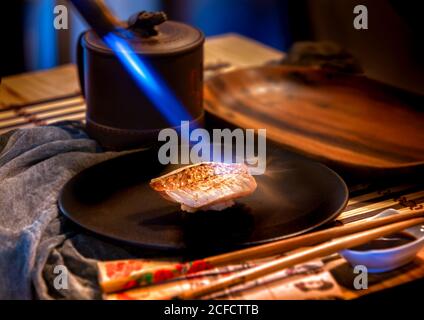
point(114, 199)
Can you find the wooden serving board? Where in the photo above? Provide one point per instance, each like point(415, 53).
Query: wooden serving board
point(347, 119)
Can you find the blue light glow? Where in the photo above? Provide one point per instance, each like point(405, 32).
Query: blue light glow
point(148, 81)
point(40, 35)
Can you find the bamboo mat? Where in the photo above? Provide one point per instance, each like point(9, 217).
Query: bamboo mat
point(44, 113)
point(365, 203)
point(45, 97)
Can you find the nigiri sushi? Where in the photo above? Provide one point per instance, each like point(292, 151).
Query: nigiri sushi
point(206, 186)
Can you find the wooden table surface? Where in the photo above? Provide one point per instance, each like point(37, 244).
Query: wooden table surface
point(44, 97)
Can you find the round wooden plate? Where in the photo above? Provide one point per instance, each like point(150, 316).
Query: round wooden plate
point(346, 119)
point(114, 199)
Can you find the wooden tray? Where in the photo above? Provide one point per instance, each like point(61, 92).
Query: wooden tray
point(350, 120)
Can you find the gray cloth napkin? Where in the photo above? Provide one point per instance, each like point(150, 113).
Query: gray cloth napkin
point(34, 238)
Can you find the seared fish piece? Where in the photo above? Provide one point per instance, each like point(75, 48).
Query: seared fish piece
point(206, 185)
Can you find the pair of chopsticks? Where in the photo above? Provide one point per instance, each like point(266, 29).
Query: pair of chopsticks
point(343, 237)
point(346, 237)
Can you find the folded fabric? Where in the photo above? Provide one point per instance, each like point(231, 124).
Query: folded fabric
point(34, 239)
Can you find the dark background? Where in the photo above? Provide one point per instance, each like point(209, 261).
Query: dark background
point(391, 49)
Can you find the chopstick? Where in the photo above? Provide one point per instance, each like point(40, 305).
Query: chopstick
point(256, 252)
point(308, 239)
point(324, 249)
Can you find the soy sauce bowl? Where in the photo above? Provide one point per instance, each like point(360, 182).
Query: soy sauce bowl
point(387, 259)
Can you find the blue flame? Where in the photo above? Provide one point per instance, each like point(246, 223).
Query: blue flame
point(148, 81)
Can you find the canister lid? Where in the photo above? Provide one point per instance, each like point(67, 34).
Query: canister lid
point(172, 38)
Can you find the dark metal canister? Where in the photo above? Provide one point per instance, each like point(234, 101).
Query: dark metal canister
point(119, 114)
